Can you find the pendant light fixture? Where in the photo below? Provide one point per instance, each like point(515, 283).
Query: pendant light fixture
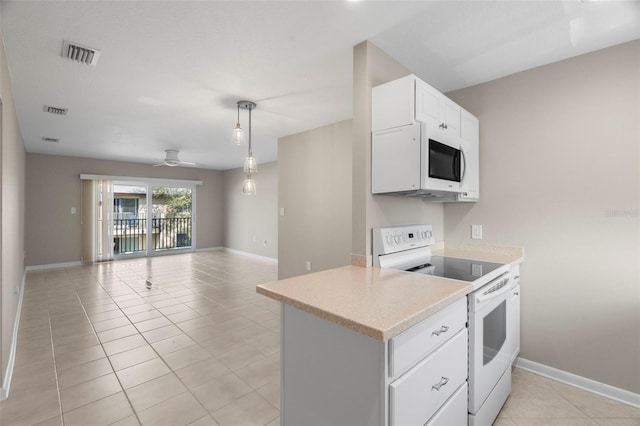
point(238, 133)
point(250, 164)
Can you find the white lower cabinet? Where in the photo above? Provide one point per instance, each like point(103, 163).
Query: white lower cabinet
point(332, 375)
point(416, 396)
point(454, 411)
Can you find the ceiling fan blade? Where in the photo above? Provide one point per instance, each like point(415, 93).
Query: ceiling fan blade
point(156, 165)
point(187, 163)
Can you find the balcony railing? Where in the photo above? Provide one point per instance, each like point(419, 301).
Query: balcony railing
point(130, 235)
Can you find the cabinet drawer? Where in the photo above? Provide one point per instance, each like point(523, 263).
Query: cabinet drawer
point(454, 411)
point(418, 394)
point(413, 344)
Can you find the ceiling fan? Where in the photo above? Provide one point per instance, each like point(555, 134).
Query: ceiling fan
point(172, 160)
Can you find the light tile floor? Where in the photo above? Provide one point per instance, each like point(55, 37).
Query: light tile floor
point(97, 346)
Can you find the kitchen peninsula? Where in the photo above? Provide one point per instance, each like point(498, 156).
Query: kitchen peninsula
point(357, 344)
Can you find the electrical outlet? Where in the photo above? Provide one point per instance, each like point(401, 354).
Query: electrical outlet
point(281, 211)
point(307, 265)
point(476, 232)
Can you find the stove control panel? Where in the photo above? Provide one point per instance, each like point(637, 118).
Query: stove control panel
point(394, 239)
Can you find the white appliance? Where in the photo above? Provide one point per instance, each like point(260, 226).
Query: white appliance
point(489, 312)
point(442, 163)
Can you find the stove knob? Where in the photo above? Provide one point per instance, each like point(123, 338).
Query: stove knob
point(424, 234)
point(389, 239)
point(398, 239)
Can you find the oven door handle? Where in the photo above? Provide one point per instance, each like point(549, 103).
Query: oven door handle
point(484, 297)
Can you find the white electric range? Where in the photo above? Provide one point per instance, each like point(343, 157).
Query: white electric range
point(408, 248)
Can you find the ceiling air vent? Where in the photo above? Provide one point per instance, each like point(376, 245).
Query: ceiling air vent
point(83, 54)
point(51, 140)
point(55, 110)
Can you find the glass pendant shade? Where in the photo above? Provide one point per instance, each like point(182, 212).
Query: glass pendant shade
point(238, 135)
point(250, 164)
point(249, 186)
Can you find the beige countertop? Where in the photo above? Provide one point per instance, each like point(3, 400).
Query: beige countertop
point(382, 303)
point(379, 303)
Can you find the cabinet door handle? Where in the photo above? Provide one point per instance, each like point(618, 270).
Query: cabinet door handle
point(516, 293)
point(442, 382)
point(443, 329)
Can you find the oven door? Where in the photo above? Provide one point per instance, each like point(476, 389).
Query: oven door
point(489, 341)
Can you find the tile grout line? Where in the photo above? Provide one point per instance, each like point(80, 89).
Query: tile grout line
point(154, 350)
point(79, 285)
point(105, 353)
point(55, 364)
point(174, 372)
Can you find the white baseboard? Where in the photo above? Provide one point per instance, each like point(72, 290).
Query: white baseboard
point(598, 388)
point(255, 256)
point(54, 266)
point(6, 384)
point(210, 249)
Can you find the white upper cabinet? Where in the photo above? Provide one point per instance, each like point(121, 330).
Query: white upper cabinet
point(470, 130)
point(396, 156)
point(393, 104)
point(433, 108)
point(409, 121)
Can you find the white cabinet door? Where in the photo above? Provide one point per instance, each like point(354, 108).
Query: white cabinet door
point(470, 132)
point(435, 109)
point(454, 411)
point(427, 103)
point(418, 394)
point(392, 104)
point(415, 343)
point(395, 160)
point(514, 313)
point(450, 116)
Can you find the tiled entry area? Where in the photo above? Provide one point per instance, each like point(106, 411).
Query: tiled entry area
point(200, 347)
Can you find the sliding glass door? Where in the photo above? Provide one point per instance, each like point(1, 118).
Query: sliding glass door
point(129, 219)
point(172, 218)
point(150, 219)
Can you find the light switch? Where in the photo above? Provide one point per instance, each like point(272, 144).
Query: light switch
point(281, 211)
point(74, 210)
point(307, 265)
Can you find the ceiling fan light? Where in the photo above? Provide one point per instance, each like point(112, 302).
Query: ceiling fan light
point(249, 186)
point(238, 135)
point(250, 165)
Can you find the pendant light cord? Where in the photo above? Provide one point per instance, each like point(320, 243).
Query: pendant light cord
point(250, 153)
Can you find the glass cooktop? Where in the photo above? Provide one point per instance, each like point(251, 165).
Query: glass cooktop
point(457, 269)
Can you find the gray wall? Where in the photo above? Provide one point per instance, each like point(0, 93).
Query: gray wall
point(314, 188)
point(249, 221)
point(371, 67)
point(12, 208)
point(54, 235)
point(560, 177)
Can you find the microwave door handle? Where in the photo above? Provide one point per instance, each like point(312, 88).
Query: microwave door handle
point(464, 163)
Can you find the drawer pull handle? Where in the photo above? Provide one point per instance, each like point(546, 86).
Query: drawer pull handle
point(443, 329)
point(443, 382)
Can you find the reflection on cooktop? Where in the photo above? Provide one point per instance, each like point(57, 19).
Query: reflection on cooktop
point(454, 268)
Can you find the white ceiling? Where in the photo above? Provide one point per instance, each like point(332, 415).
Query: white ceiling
point(170, 73)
